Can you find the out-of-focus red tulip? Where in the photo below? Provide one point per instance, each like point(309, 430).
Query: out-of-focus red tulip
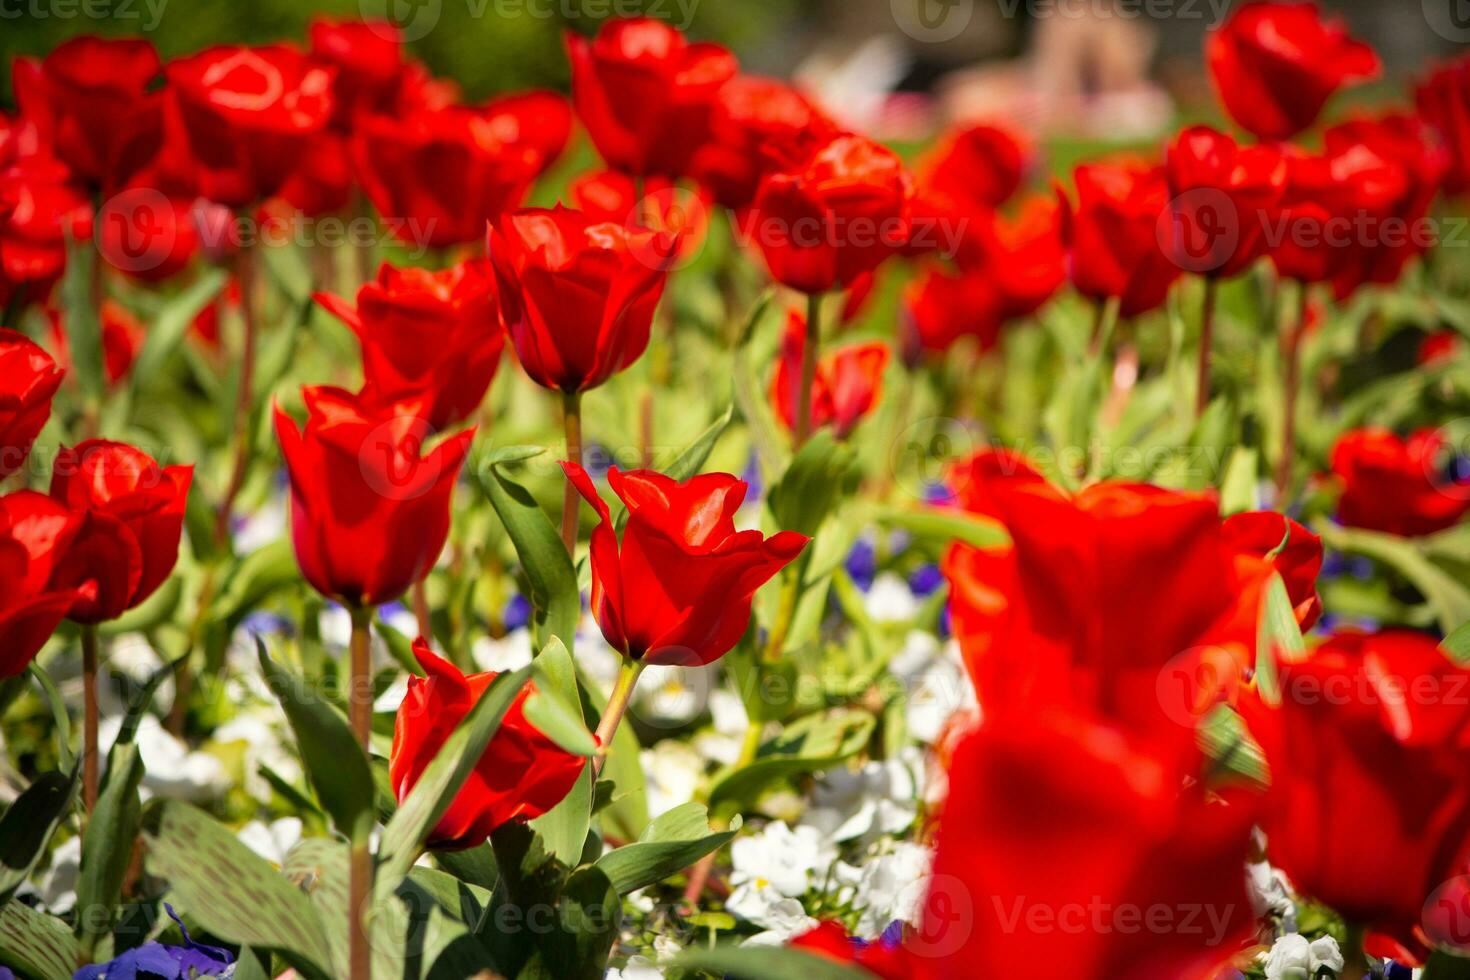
point(1112, 235)
point(1369, 804)
point(1221, 196)
point(88, 97)
point(39, 211)
point(1441, 346)
point(29, 378)
point(1265, 541)
point(322, 181)
point(1443, 101)
point(941, 306)
point(677, 588)
point(1398, 227)
point(1275, 65)
point(1396, 485)
point(147, 235)
point(681, 217)
point(646, 95)
point(249, 114)
point(522, 774)
point(430, 336)
point(132, 518)
point(759, 125)
point(1083, 571)
point(35, 531)
point(829, 939)
point(368, 59)
point(369, 510)
point(576, 295)
point(438, 175)
point(848, 382)
point(122, 339)
point(838, 216)
point(961, 182)
point(1075, 844)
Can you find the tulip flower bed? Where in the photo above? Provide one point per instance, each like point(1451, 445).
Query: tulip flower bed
point(771, 557)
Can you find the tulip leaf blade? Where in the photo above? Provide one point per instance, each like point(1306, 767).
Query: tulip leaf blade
point(440, 782)
point(28, 824)
point(334, 761)
point(59, 715)
point(1278, 636)
point(36, 944)
point(672, 842)
point(167, 326)
point(107, 843)
point(766, 963)
point(1447, 597)
point(203, 863)
point(817, 479)
point(945, 526)
point(556, 601)
point(82, 324)
point(808, 745)
point(588, 918)
point(563, 828)
point(1457, 645)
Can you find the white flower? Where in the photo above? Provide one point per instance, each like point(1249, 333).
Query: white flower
point(510, 653)
point(170, 769)
point(879, 798)
point(891, 886)
point(1292, 957)
point(260, 729)
point(781, 858)
point(1269, 894)
point(672, 771)
point(392, 697)
point(935, 683)
point(271, 841)
point(267, 524)
point(890, 600)
point(727, 712)
point(759, 903)
point(670, 697)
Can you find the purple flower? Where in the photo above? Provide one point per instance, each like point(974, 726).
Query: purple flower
point(155, 961)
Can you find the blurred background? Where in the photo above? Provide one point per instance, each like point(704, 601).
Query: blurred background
point(1111, 70)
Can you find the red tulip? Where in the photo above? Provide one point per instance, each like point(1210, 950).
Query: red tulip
point(1443, 100)
point(29, 379)
point(39, 212)
point(522, 774)
point(1221, 196)
point(1397, 486)
point(122, 340)
point(249, 114)
point(943, 306)
point(677, 588)
point(577, 296)
point(367, 57)
point(35, 531)
point(1023, 255)
point(1084, 570)
point(839, 215)
point(88, 97)
point(425, 335)
point(646, 94)
point(759, 125)
point(829, 940)
point(132, 518)
point(848, 382)
point(1440, 347)
point(1113, 238)
point(322, 181)
point(680, 217)
point(960, 183)
point(1275, 65)
point(369, 511)
point(1396, 226)
point(1369, 807)
point(1310, 234)
point(438, 175)
point(1070, 848)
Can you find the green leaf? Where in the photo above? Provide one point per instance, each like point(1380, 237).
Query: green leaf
point(809, 745)
point(1277, 635)
point(475, 866)
point(767, 963)
point(405, 834)
point(1224, 738)
point(28, 825)
point(589, 917)
point(672, 842)
point(943, 526)
point(334, 760)
point(1447, 966)
point(107, 844)
point(83, 330)
point(564, 826)
point(318, 866)
point(254, 578)
point(1449, 599)
point(555, 707)
point(36, 944)
point(1457, 645)
point(167, 327)
point(1242, 476)
point(555, 599)
point(59, 716)
point(229, 891)
point(812, 486)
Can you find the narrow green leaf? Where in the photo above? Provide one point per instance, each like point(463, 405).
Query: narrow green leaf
point(672, 842)
point(1277, 636)
point(107, 845)
point(817, 479)
point(333, 759)
point(1447, 596)
point(167, 327)
point(1457, 645)
point(35, 944)
point(810, 745)
point(767, 963)
point(59, 716)
point(27, 826)
point(945, 526)
point(555, 599)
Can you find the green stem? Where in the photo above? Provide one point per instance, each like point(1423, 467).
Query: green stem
point(360, 861)
point(90, 716)
point(808, 369)
point(1206, 343)
point(572, 416)
point(244, 397)
point(617, 705)
point(1292, 353)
